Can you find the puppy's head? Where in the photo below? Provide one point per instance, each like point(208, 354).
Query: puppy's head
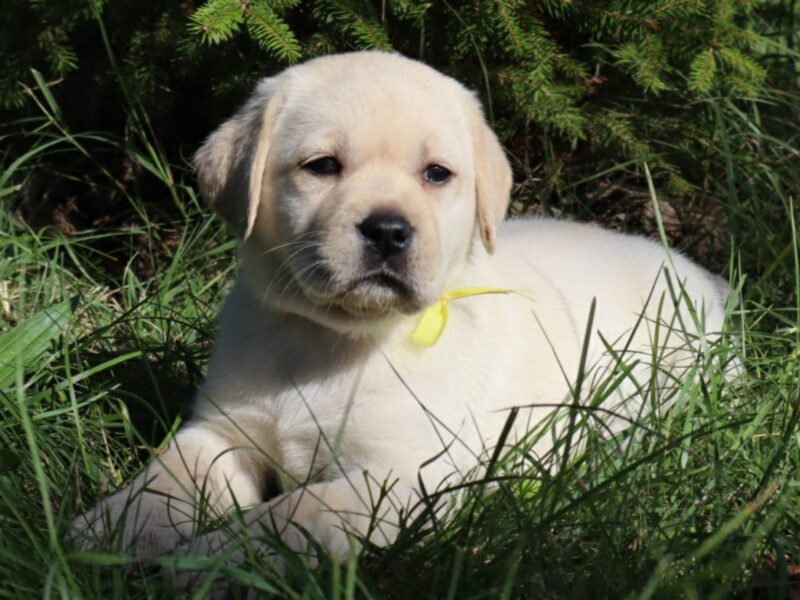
point(358, 182)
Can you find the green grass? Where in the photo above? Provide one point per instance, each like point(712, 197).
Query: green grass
point(97, 365)
point(693, 507)
point(104, 336)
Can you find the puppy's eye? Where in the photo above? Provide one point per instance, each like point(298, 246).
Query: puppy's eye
point(436, 174)
point(327, 165)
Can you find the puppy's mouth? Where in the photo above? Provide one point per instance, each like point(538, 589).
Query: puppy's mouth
point(382, 280)
point(369, 291)
point(372, 295)
point(377, 294)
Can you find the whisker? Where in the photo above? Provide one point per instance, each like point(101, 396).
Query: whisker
point(284, 268)
point(303, 238)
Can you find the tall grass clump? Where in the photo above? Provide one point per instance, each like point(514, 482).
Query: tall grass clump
point(111, 274)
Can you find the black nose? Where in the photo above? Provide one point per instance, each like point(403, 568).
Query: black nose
point(386, 233)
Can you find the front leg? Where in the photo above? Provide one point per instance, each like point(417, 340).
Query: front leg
point(200, 473)
point(359, 505)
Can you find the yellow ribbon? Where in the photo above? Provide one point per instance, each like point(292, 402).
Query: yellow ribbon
point(434, 319)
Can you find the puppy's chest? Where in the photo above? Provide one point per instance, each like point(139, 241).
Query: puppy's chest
point(314, 429)
point(396, 414)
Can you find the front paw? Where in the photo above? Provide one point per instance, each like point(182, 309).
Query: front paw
point(140, 522)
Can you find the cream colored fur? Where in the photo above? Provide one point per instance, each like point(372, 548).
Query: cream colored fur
point(314, 376)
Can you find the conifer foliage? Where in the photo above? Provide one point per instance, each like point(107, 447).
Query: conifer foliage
point(601, 81)
point(580, 69)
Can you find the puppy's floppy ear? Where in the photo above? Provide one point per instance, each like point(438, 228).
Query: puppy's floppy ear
point(230, 164)
point(492, 177)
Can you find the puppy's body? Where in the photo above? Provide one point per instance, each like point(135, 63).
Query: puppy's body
point(395, 401)
point(315, 377)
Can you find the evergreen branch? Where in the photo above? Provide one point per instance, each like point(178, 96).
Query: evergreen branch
point(512, 30)
point(645, 62)
point(614, 129)
point(411, 11)
point(361, 28)
point(702, 71)
point(217, 20)
point(645, 22)
point(271, 32)
point(669, 7)
point(742, 74)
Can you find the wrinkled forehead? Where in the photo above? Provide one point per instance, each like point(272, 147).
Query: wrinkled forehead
point(376, 113)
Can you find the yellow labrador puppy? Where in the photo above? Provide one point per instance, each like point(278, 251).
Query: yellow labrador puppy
point(365, 187)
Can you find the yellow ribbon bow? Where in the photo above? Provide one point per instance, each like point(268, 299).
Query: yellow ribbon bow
point(434, 319)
